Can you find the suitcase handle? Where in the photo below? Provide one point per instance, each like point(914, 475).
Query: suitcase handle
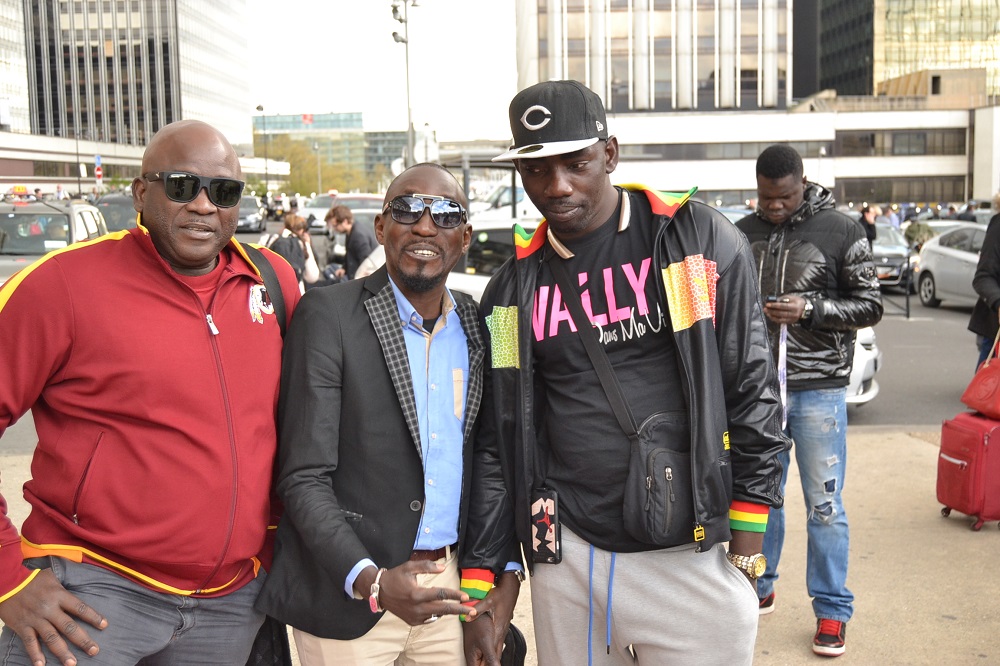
point(961, 463)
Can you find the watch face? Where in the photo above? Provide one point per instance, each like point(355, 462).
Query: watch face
point(759, 566)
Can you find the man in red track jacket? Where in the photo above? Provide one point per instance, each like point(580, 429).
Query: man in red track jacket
point(149, 359)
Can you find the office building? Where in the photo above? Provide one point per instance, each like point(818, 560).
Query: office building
point(116, 71)
point(861, 45)
point(661, 55)
point(14, 115)
point(339, 139)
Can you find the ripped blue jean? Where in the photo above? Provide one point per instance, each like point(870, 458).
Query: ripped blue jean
point(817, 424)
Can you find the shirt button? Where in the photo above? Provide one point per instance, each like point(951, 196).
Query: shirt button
point(415, 505)
point(427, 530)
point(434, 435)
point(434, 387)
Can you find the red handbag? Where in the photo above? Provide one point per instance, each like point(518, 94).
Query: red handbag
point(983, 392)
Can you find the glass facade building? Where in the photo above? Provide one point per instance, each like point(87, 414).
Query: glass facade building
point(661, 55)
point(863, 44)
point(118, 70)
point(14, 109)
point(927, 34)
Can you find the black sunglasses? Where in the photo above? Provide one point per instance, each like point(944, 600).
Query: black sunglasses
point(409, 208)
point(183, 187)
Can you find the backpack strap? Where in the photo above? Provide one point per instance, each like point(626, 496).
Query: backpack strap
point(271, 283)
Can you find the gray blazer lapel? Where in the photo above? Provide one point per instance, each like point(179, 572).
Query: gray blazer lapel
point(385, 318)
point(468, 313)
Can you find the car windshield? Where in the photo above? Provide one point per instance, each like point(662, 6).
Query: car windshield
point(359, 202)
point(249, 204)
point(886, 235)
point(322, 201)
point(365, 217)
point(501, 196)
point(118, 213)
point(28, 233)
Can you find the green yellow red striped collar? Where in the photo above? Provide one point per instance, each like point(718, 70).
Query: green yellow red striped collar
point(663, 203)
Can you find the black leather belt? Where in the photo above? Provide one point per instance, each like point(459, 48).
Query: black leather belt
point(431, 554)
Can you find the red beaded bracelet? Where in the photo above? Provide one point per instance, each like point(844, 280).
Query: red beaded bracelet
point(373, 599)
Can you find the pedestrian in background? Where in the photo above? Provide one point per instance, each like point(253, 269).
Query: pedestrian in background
point(360, 240)
point(380, 389)
point(154, 397)
point(816, 269)
point(969, 213)
point(985, 319)
point(629, 588)
point(295, 246)
point(867, 221)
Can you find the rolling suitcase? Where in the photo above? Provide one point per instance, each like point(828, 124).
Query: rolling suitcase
point(968, 474)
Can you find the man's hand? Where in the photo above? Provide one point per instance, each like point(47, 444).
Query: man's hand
point(43, 614)
point(787, 309)
point(404, 597)
point(484, 637)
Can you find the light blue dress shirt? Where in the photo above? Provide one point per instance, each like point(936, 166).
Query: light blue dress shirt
point(439, 368)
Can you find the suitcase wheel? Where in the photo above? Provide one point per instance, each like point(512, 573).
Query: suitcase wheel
point(946, 511)
point(978, 525)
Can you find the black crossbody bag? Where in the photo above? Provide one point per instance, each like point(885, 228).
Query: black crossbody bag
point(659, 502)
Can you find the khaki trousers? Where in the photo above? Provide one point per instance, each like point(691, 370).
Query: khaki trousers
point(392, 641)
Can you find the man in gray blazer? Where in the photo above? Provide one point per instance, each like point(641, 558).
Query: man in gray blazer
point(380, 388)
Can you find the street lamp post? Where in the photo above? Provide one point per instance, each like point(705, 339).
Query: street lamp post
point(819, 164)
point(404, 39)
point(263, 122)
point(319, 173)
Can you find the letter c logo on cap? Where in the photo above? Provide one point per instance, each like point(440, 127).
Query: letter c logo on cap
point(536, 126)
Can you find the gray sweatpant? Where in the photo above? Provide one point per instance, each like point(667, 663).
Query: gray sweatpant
point(673, 606)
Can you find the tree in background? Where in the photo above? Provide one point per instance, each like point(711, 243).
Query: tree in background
point(301, 159)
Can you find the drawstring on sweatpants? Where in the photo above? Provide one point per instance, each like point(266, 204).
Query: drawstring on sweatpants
point(590, 607)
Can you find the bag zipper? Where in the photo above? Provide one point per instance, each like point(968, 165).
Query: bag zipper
point(650, 459)
point(669, 474)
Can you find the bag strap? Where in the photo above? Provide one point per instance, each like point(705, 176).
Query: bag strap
point(993, 350)
point(271, 283)
point(598, 357)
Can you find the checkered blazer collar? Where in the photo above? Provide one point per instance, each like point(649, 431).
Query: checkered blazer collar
point(385, 318)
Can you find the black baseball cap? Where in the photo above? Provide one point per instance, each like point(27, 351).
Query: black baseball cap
point(554, 118)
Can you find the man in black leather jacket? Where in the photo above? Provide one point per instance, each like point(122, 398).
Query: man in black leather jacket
point(816, 272)
point(668, 287)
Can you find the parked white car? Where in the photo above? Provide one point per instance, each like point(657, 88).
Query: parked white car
point(867, 361)
point(947, 265)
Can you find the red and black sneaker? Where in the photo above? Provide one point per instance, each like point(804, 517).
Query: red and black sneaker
point(829, 638)
point(767, 604)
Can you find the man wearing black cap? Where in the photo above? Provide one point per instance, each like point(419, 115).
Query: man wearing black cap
point(669, 290)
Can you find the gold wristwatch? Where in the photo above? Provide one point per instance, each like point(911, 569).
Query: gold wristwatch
point(752, 565)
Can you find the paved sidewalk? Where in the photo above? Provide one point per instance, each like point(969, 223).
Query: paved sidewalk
point(926, 587)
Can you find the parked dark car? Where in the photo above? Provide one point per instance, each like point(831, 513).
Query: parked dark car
point(118, 211)
point(253, 216)
point(30, 230)
point(894, 259)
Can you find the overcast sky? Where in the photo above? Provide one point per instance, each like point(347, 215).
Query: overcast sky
point(321, 56)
